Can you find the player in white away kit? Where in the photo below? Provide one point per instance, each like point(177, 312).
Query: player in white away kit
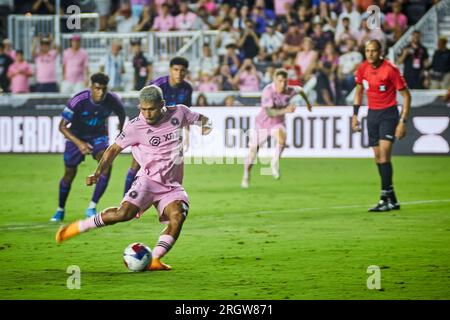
point(156, 143)
point(275, 103)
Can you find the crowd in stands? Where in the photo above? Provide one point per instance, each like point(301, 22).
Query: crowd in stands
point(320, 39)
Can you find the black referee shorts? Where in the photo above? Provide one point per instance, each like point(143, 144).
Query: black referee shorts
point(381, 125)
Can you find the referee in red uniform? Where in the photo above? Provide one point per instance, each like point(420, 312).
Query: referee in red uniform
point(381, 80)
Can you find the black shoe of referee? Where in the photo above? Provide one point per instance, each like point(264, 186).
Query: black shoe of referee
point(382, 206)
point(393, 205)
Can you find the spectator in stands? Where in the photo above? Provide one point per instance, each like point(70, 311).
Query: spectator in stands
point(9, 49)
point(113, 65)
point(326, 18)
point(302, 19)
point(307, 59)
point(138, 6)
point(207, 83)
point(208, 62)
point(259, 21)
point(209, 5)
point(267, 77)
point(164, 21)
point(294, 71)
point(365, 34)
point(122, 19)
point(327, 87)
point(142, 66)
point(321, 37)
point(146, 20)
point(414, 57)
point(43, 7)
point(224, 13)
point(282, 7)
point(231, 59)
point(201, 101)
point(440, 66)
point(293, 39)
point(225, 78)
point(239, 21)
point(271, 42)
point(249, 42)
point(186, 19)
point(226, 36)
point(204, 20)
point(396, 22)
point(247, 78)
point(230, 101)
point(75, 67)
point(348, 62)
point(45, 63)
point(345, 34)
point(18, 74)
point(5, 62)
point(353, 16)
point(103, 8)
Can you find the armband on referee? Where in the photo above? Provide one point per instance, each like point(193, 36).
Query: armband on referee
point(355, 109)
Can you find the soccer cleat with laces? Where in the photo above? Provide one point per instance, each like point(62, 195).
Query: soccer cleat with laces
point(382, 206)
point(58, 216)
point(157, 265)
point(90, 212)
point(66, 232)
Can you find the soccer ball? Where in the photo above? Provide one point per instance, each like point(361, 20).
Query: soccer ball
point(137, 256)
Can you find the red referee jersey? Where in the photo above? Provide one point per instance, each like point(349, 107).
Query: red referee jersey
point(381, 84)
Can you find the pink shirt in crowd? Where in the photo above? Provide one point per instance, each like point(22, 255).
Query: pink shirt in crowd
point(19, 82)
point(157, 147)
point(164, 24)
point(46, 67)
point(392, 20)
point(208, 87)
point(248, 82)
point(185, 21)
point(272, 99)
point(75, 62)
point(279, 6)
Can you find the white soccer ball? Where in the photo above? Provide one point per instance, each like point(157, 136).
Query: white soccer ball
point(137, 256)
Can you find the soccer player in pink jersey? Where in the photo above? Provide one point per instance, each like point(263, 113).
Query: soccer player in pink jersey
point(275, 103)
point(155, 140)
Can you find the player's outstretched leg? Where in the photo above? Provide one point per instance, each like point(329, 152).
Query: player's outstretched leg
point(176, 211)
point(253, 152)
point(134, 168)
point(64, 189)
point(109, 216)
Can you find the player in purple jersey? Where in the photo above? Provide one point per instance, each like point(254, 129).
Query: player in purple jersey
point(175, 91)
point(154, 137)
point(275, 104)
point(84, 124)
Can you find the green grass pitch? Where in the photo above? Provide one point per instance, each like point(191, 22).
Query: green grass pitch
point(306, 236)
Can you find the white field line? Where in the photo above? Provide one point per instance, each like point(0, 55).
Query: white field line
point(50, 224)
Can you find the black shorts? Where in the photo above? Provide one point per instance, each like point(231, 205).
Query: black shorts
point(381, 125)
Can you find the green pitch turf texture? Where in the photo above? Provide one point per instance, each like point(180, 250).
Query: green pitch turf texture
point(306, 236)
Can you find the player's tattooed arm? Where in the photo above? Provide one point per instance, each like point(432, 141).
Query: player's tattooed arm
point(272, 112)
point(105, 163)
point(84, 147)
point(206, 124)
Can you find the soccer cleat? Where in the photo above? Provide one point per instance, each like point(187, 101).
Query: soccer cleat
point(157, 265)
point(394, 206)
point(66, 232)
point(58, 216)
point(90, 212)
point(245, 184)
point(382, 206)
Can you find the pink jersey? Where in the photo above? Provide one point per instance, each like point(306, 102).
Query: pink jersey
point(271, 99)
point(75, 62)
point(157, 148)
point(19, 82)
point(46, 67)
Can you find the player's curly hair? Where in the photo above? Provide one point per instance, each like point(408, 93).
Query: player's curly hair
point(100, 78)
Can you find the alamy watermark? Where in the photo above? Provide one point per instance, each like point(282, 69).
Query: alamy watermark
point(374, 280)
point(74, 280)
point(374, 18)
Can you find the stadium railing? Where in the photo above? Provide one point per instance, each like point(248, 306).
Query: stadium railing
point(428, 26)
point(23, 28)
